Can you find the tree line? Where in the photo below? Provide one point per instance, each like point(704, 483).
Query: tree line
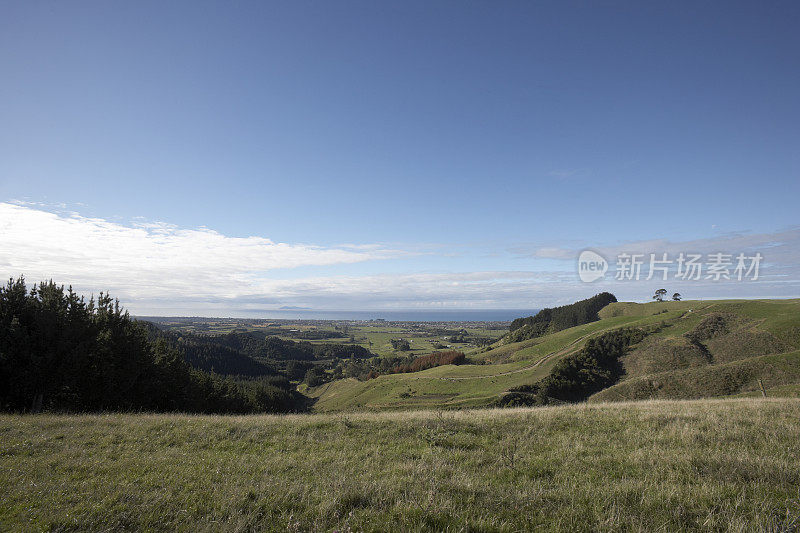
point(364, 369)
point(424, 362)
point(559, 318)
point(261, 346)
point(60, 352)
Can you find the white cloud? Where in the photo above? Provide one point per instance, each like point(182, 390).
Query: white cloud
point(779, 275)
point(781, 248)
point(490, 289)
point(151, 260)
point(158, 268)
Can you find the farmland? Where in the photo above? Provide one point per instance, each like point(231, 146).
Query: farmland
point(374, 335)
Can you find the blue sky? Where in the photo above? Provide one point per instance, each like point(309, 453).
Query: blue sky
point(378, 155)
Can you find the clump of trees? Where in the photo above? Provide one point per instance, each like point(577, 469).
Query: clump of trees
point(309, 335)
point(424, 362)
point(59, 352)
point(559, 318)
point(364, 369)
point(315, 376)
point(578, 376)
point(203, 353)
point(660, 294)
point(401, 345)
point(257, 345)
point(459, 336)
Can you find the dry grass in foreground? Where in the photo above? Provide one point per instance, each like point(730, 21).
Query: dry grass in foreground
point(716, 465)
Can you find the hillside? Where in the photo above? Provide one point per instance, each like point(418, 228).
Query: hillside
point(696, 349)
point(717, 349)
point(648, 466)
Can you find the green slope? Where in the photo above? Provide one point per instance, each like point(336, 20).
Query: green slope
point(709, 465)
point(755, 339)
point(753, 328)
point(723, 379)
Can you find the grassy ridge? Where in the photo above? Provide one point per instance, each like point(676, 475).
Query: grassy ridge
point(753, 328)
point(756, 339)
point(656, 466)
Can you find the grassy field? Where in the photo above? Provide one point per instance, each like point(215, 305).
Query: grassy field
point(760, 341)
point(713, 465)
point(423, 337)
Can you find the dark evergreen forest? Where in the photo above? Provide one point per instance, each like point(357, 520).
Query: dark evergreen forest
point(559, 318)
point(59, 352)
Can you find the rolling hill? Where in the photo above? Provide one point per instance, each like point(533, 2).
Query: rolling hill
point(693, 349)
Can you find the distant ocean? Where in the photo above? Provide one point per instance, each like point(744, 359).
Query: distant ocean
point(450, 315)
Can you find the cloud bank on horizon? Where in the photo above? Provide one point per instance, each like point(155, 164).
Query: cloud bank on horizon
point(158, 268)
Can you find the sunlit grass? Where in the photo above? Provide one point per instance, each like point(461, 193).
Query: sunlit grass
point(655, 466)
